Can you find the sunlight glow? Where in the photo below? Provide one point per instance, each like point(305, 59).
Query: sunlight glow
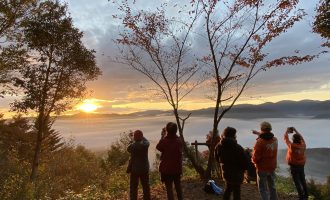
point(87, 107)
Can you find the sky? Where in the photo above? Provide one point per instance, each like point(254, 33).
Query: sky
point(122, 90)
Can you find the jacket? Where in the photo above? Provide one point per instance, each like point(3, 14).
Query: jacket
point(296, 152)
point(265, 153)
point(171, 155)
point(232, 159)
point(139, 156)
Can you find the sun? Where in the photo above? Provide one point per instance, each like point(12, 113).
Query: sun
point(87, 107)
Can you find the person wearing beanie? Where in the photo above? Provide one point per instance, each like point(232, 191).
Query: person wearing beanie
point(170, 168)
point(139, 165)
point(264, 157)
point(233, 163)
point(296, 159)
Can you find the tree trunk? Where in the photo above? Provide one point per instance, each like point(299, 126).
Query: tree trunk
point(40, 124)
point(199, 169)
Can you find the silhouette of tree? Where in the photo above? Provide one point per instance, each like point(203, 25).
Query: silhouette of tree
point(238, 40)
point(158, 47)
point(12, 14)
point(58, 67)
point(230, 38)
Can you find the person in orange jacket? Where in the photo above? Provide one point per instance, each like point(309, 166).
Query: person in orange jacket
point(296, 159)
point(264, 157)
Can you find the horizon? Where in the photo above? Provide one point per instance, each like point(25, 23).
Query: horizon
point(9, 115)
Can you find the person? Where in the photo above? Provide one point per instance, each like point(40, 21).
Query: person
point(233, 162)
point(251, 174)
point(209, 139)
point(296, 159)
point(170, 146)
point(139, 165)
point(264, 157)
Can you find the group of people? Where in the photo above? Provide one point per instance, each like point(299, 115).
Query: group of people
point(229, 154)
point(170, 168)
point(234, 161)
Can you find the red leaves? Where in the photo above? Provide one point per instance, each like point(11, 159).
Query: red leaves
point(242, 62)
point(287, 4)
point(290, 60)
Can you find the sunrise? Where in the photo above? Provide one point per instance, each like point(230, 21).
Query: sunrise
point(195, 99)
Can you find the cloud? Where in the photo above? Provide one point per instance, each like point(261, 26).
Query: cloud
point(124, 86)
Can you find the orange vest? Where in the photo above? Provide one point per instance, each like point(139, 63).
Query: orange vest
point(265, 154)
point(296, 152)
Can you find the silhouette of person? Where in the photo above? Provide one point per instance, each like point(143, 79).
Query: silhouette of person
point(233, 161)
point(139, 165)
point(170, 146)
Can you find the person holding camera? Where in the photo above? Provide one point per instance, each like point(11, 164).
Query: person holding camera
point(170, 146)
point(138, 166)
point(264, 158)
point(296, 159)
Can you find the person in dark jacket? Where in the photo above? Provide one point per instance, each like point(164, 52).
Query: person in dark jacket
point(170, 146)
point(139, 165)
point(233, 162)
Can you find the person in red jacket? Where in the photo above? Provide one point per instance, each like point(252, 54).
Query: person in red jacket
point(264, 158)
point(296, 159)
point(170, 146)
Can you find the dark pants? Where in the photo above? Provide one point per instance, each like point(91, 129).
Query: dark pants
point(169, 180)
point(232, 188)
point(134, 183)
point(298, 176)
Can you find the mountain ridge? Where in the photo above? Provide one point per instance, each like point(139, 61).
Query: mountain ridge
point(282, 109)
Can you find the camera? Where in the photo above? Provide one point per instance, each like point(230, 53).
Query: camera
point(290, 129)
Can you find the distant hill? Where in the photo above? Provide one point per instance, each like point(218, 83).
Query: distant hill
point(282, 109)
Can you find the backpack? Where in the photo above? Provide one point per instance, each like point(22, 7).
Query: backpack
point(211, 188)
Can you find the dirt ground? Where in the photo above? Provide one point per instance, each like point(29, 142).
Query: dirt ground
point(193, 190)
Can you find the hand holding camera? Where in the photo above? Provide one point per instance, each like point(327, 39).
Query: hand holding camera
point(290, 130)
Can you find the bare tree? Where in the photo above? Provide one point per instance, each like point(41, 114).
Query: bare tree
point(238, 34)
point(157, 46)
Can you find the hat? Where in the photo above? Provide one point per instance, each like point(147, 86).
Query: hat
point(138, 135)
point(265, 126)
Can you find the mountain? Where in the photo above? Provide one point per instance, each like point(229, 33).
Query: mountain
point(282, 109)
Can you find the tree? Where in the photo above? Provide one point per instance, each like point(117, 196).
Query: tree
point(238, 41)
point(321, 24)
point(59, 66)
point(157, 46)
point(12, 13)
point(237, 35)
